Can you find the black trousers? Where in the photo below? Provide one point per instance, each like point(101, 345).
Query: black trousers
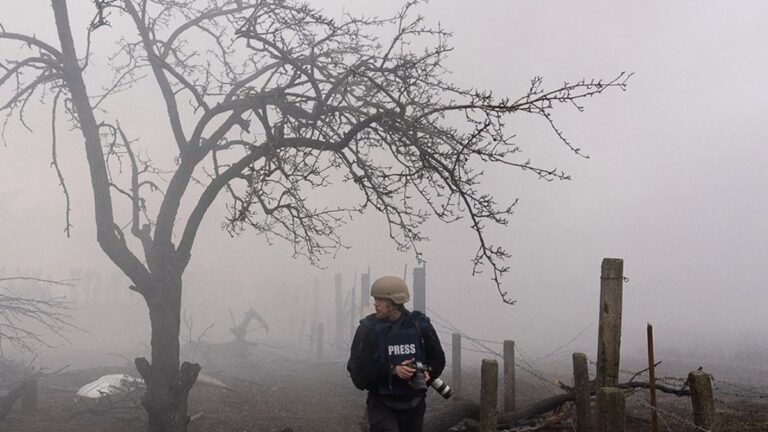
point(382, 418)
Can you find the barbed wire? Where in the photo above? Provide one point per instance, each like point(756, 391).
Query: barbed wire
point(731, 407)
point(669, 379)
point(530, 368)
point(451, 329)
point(660, 411)
point(751, 393)
point(463, 348)
point(562, 346)
point(526, 365)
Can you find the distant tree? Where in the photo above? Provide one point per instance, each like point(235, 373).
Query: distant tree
point(26, 321)
point(267, 101)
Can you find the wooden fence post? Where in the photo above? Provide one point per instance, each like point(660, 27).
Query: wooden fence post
point(509, 376)
point(489, 388)
point(339, 311)
point(702, 399)
point(609, 331)
point(610, 405)
point(365, 289)
point(456, 362)
point(652, 380)
point(29, 397)
point(420, 289)
point(581, 390)
point(354, 310)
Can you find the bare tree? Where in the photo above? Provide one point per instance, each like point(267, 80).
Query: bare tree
point(26, 321)
point(267, 101)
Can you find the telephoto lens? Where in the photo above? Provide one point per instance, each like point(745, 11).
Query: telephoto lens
point(441, 387)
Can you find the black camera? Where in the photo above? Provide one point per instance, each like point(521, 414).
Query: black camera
point(419, 382)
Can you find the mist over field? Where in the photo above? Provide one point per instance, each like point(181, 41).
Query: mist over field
point(672, 180)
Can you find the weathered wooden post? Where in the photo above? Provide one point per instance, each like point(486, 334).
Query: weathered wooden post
point(29, 397)
point(420, 289)
point(702, 399)
point(609, 331)
point(354, 310)
point(339, 310)
point(581, 390)
point(489, 388)
point(610, 405)
point(365, 289)
point(652, 380)
point(320, 340)
point(509, 376)
point(456, 362)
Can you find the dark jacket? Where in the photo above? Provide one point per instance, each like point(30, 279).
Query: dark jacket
point(367, 368)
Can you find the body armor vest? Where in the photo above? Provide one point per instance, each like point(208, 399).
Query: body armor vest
point(396, 344)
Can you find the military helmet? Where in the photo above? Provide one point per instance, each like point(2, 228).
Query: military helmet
point(392, 288)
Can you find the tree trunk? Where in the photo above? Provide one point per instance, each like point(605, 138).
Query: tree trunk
point(168, 385)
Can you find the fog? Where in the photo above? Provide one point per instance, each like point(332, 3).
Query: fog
point(675, 184)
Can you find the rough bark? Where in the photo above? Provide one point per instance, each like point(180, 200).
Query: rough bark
point(168, 383)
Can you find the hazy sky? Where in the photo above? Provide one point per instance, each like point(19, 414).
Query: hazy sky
point(675, 184)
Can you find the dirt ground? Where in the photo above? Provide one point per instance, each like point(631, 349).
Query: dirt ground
point(283, 393)
point(276, 396)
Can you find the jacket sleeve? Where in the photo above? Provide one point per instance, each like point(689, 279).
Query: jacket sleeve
point(366, 374)
point(433, 350)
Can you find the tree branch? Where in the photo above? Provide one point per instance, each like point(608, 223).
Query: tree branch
point(157, 69)
point(112, 244)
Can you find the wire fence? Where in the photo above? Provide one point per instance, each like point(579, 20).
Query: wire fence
point(666, 417)
point(672, 418)
point(673, 414)
point(728, 395)
point(522, 360)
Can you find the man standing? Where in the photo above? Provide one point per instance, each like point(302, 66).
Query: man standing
point(386, 347)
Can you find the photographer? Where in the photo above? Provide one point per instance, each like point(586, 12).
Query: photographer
point(384, 355)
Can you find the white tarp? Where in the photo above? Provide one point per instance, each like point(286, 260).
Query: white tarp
point(109, 385)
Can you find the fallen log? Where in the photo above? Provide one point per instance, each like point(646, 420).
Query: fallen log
point(682, 391)
point(661, 387)
point(524, 417)
point(440, 419)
